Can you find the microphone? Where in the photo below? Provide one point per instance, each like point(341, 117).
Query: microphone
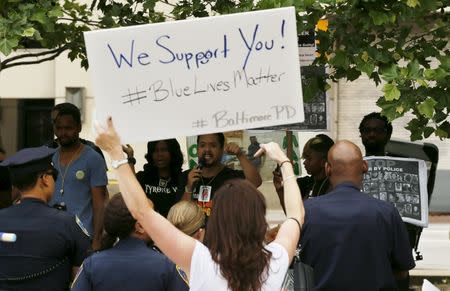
point(8, 237)
point(201, 163)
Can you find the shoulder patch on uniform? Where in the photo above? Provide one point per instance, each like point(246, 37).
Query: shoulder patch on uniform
point(182, 274)
point(80, 269)
point(80, 224)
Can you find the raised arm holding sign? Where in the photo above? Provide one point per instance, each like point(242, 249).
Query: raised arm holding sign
point(241, 266)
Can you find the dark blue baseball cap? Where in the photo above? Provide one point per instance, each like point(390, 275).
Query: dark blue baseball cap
point(30, 160)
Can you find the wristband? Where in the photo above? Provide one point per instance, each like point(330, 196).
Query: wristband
point(286, 161)
point(289, 177)
point(132, 160)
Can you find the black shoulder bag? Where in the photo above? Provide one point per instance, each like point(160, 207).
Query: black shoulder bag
point(300, 276)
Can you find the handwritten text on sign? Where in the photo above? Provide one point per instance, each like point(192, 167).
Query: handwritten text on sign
point(198, 76)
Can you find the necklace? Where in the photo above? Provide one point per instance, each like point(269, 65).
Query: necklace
point(63, 176)
point(210, 181)
point(164, 182)
point(318, 193)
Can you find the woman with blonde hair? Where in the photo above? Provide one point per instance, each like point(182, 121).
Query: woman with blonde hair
point(188, 217)
point(234, 256)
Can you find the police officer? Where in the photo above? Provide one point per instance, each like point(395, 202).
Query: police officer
point(50, 243)
point(125, 261)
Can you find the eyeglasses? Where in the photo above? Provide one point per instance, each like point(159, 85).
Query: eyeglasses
point(377, 130)
point(52, 172)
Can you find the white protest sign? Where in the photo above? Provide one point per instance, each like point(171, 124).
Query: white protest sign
point(198, 76)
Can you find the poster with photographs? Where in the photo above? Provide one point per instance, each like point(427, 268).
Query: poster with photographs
point(402, 182)
point(315, 110)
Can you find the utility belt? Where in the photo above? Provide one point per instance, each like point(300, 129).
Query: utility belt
point(36, 274)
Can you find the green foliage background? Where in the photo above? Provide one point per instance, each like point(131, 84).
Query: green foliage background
point(402, 45)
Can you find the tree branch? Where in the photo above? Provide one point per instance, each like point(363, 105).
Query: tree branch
point(422, 35)
point(56, 52)
point(33, 55)
point(166, 3)
point(89, 22)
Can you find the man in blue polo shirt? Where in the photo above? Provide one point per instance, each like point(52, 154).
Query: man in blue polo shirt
point(354, 241)
point(82, 180)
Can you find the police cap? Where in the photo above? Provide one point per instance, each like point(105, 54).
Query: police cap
point(30, 160)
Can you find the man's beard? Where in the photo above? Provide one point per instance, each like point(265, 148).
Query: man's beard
point(67, 143)
point(373, 146)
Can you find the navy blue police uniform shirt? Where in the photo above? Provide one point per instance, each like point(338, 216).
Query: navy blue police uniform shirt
point(47, 240)
point(354, 241)
point(129, 265)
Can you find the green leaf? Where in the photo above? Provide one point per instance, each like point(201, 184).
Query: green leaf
point(391, 92)
point(39, 16)
point(353, 74)
point(8, 45)
point(438, 74)
point(413, 69)
point(441, 133)
point(413, 3)
point(37, 35)
point(439, 116)
point(387, 43)
point(441, 74)
point(426, 108)
point(427, 131)
point(445, 62)
point(403, 72)
point(392, 18)
point(378, 18)
point(429, 74)
point(340, 60)
point(416, 126)
point(56, 12)
point(150, 4)
point(389, 108)
point(366, 67)
point(389, 73)
point(29, 32)
point(422, 83)
point(365, 56)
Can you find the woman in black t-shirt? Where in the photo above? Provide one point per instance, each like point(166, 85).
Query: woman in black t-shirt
point(160, 175)
point(314, 155)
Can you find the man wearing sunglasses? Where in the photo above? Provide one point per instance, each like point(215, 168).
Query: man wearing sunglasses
point(49, 244)
point(376, 131)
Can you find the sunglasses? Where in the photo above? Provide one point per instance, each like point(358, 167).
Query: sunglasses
point(376, 130)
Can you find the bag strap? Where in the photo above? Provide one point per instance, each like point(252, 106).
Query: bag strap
point(299, 246)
